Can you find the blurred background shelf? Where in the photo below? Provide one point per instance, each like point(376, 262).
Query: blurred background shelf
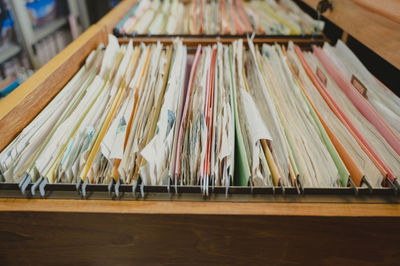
point(8, 52)
point(34, 31)
point(49, 28)
point(68, 13)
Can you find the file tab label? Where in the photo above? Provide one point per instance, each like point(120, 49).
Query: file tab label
point(321, 76)
point(359, 86)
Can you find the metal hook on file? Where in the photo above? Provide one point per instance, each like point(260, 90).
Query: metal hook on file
point(297, 188)
point(141, 188)
point(176, 184)
point(116, 188)
point(365, 181)
point(353, 186)
point(42, 187)
point(227, 186)
point(212, 183)
point(300, 183)
point(134, 187)
point(22, 181)
point(395, 189)
point(397, 184)
point(84, 185)
point(200, 183)
point(2, 178)
point(110, 185)
point(169, 184)
point(25, 184)
point(78, 185)
point(36, 185)
point(283, 188)
point(206, 185)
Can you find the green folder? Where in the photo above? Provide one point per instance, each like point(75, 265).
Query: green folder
point(344, 174)
point(242, 168)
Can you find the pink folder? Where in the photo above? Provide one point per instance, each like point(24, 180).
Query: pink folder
point(359, 101)
point(343, 118)
point(185, 111)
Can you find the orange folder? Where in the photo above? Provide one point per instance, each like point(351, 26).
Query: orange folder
point(356, 174)
point(209, 113)
point(343, 118)
point(134, 107)
point(359, 101)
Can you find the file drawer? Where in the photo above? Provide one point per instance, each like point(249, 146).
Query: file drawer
point(168, 224)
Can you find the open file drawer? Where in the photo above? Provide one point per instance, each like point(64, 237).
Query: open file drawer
point(43, 187)
point(238, 225)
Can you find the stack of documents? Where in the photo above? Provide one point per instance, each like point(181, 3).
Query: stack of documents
point(368, 145)
point(217, 17)
point(205, 143)
point(226, 115)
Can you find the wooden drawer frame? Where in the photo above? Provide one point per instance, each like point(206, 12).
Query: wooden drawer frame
point(74, 231)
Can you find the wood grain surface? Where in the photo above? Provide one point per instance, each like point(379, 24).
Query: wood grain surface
point(370, 22)
point(387, 8)
point(201, 208)
point(133, 239)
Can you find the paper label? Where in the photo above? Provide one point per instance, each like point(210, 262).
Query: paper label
point(359, 86)
point(321, 76)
